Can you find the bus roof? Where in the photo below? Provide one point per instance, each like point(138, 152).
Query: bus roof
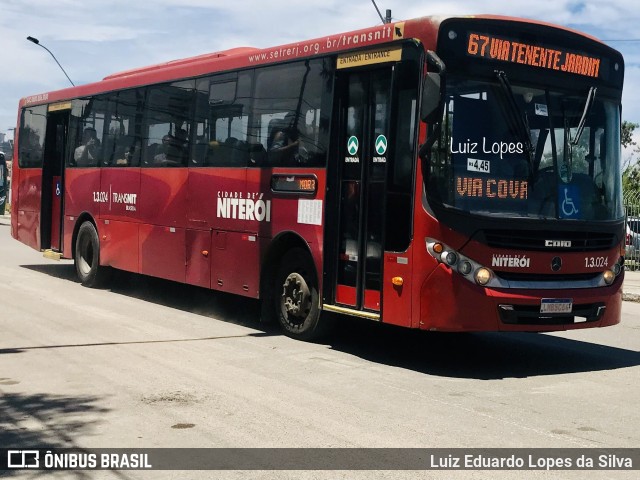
point(183, 61)
point(424, 28)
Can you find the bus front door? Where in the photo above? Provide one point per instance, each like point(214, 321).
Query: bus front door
point(364, 105)
point(52, 177)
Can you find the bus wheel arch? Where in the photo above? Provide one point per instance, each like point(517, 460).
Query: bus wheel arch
point(290, 288)
point(86, 254)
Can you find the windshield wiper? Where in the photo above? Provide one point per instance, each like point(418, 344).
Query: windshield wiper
point(517, 119)
point(570, 143)
point(587, 109)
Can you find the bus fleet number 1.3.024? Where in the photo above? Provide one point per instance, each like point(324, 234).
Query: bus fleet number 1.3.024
point(596, 262)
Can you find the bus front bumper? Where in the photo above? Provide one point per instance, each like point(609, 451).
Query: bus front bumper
point(448, 302)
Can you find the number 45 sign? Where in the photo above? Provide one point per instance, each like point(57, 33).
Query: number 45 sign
point(475, 165)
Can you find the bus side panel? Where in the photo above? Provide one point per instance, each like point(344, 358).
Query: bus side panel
point(235, 263)
point(297, 212)
point(29, 202)
point(164, 196)
point(120, 190)
point(211, 192)
point(198, 252)
point(118, 229)
point(81, 194)
point(162, 209)
point(396, 301)
point(119, 245)
point(162, 252)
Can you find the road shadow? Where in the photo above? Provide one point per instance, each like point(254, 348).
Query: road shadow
point(485, 356)
point(188, 298)
point(61, 270)
point(46, 421)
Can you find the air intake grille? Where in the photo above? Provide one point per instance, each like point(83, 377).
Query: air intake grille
point(537, 240)
point(546, 277)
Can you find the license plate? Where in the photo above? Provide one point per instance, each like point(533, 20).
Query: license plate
point(556, 305)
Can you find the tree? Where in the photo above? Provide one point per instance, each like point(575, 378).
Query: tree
point(626, 135)
point(631, 171)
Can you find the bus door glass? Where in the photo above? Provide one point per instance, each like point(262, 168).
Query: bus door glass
point(364, 131)
point(52, 175)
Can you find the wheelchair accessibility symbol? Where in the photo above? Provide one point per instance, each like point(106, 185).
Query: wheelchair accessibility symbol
point(58, 191)
point(569, 202)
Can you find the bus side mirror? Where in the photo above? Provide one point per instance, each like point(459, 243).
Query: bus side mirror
point(432, 90)
point(431, 98)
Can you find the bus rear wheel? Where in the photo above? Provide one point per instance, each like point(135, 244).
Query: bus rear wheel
point(296, 297)
point(87, 257)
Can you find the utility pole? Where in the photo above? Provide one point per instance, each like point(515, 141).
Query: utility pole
point(388, 12)
point(37, 42)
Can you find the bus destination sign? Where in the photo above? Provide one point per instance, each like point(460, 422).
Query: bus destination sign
point(494, 48)
point(306, 184)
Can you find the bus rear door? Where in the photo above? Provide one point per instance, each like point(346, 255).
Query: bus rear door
point(52, 176)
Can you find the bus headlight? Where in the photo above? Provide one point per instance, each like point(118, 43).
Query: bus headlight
point(450, 258)
point(483, 275)
point(609, 277)
point(459, 263)
point(617, 268)
point(465, 268)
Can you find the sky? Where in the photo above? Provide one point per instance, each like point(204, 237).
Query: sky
point(92, 39)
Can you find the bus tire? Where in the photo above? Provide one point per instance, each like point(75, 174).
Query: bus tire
point(296, 297)
point(87, 257)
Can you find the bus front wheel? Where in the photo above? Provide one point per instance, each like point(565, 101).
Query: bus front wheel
point(87, 257)
point(296, 297)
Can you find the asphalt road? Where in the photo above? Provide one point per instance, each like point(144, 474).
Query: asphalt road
point(151, 363)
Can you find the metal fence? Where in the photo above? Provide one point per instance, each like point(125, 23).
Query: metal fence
point(632, 232)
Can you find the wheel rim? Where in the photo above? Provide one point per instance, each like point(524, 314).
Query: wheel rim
point(296, 298)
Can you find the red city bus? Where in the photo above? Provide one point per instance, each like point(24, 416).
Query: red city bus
point(451, 174)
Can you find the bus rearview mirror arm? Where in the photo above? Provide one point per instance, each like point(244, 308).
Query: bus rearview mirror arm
point(432, 99)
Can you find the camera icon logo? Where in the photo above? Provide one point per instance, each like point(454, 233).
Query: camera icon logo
point(23, 459)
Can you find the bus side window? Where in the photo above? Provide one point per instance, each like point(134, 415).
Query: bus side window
point(32, 131)
point(221, 130)
point(200, 144)
point(291, 110)
point(167, 124)
point(121, 144)
point(87, 120)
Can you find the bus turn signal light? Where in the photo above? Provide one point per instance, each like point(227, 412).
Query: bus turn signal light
point(397, 281)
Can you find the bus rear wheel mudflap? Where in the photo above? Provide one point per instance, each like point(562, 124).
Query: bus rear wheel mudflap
point(297, 300)
point(87, 257)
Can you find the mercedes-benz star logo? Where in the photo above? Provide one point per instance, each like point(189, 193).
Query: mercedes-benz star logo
point(556, 264)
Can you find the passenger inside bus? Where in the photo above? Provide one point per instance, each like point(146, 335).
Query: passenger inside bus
point(173, 150)
point(87, 153)
point(283, 140)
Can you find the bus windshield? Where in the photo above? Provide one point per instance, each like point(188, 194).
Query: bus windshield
point(519, 151)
